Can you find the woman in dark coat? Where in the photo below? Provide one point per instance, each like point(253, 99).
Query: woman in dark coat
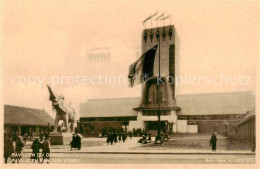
point(36, 150)
point(8, 148)
point(111, 138)
point(213, 142)
point(73, 143)
point(78, 142)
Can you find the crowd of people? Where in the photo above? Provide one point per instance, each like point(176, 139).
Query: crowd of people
point(114, 136)
point(139, 132)
point(14, 144)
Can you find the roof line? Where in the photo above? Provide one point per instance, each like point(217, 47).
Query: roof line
point(118, 98)
point(25, 107)
point(220, 93)
point(178, 95)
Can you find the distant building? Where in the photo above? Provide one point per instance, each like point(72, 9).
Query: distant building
point(26, 120)
point(246, 128)
point(99, 55)
point(204, 113)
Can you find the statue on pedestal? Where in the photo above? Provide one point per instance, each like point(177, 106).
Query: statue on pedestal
point(63, 112)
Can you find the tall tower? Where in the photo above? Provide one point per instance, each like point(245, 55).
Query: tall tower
point(147, 110)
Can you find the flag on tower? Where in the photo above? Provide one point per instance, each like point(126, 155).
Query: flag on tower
point(142, 69)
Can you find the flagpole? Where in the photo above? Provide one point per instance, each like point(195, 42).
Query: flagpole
point(158, 137)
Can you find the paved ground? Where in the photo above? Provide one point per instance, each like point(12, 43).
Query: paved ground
point(179, 149)
point(198, 143)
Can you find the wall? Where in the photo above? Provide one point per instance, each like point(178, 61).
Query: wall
point(192, 129)
point(182, 126)
point(247, 129)
point(210, 126)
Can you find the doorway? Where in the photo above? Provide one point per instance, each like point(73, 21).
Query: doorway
point(153, 125)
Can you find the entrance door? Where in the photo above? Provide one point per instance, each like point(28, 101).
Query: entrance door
point(153, 125)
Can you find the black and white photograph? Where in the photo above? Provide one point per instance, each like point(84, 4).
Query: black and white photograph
point(129, 82)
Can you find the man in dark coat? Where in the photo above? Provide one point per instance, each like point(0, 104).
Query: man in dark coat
point(115, 137)
point(46, 150)
point(36, 150)
point(213, 142)
point(18, 148)
point(110, 138)
point(119, 137)
point(8, 147)
point(78, 142)
point(123, 136)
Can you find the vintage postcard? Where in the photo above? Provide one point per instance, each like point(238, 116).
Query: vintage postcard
point(147, 83)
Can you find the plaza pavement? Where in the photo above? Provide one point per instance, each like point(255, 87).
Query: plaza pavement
point(131, 146)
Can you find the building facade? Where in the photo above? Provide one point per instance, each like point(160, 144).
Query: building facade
point(210, 112)
point(202, 113)
point(246, 128)
point(26, 120)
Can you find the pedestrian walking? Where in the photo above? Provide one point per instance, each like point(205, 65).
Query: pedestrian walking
point(115, 137)
point(119, 137)
point(253, 149)
point(213, 142)
point(36, 145)
point(130, 135)
point(8, 148)
point(46, 150)
point(110, 137)
point(78, 142)
point(18, 149)
point(123, 136)
point(73, 142)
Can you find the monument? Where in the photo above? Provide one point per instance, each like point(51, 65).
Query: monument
point(64, 112)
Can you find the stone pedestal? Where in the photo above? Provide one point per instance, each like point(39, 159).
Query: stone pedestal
point(59, 138)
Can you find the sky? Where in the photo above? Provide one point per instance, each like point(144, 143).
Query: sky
point(46, 40)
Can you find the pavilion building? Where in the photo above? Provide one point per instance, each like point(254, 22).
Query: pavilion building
point(26, 120)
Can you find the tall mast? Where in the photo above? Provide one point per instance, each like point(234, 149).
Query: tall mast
point(158, 138)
